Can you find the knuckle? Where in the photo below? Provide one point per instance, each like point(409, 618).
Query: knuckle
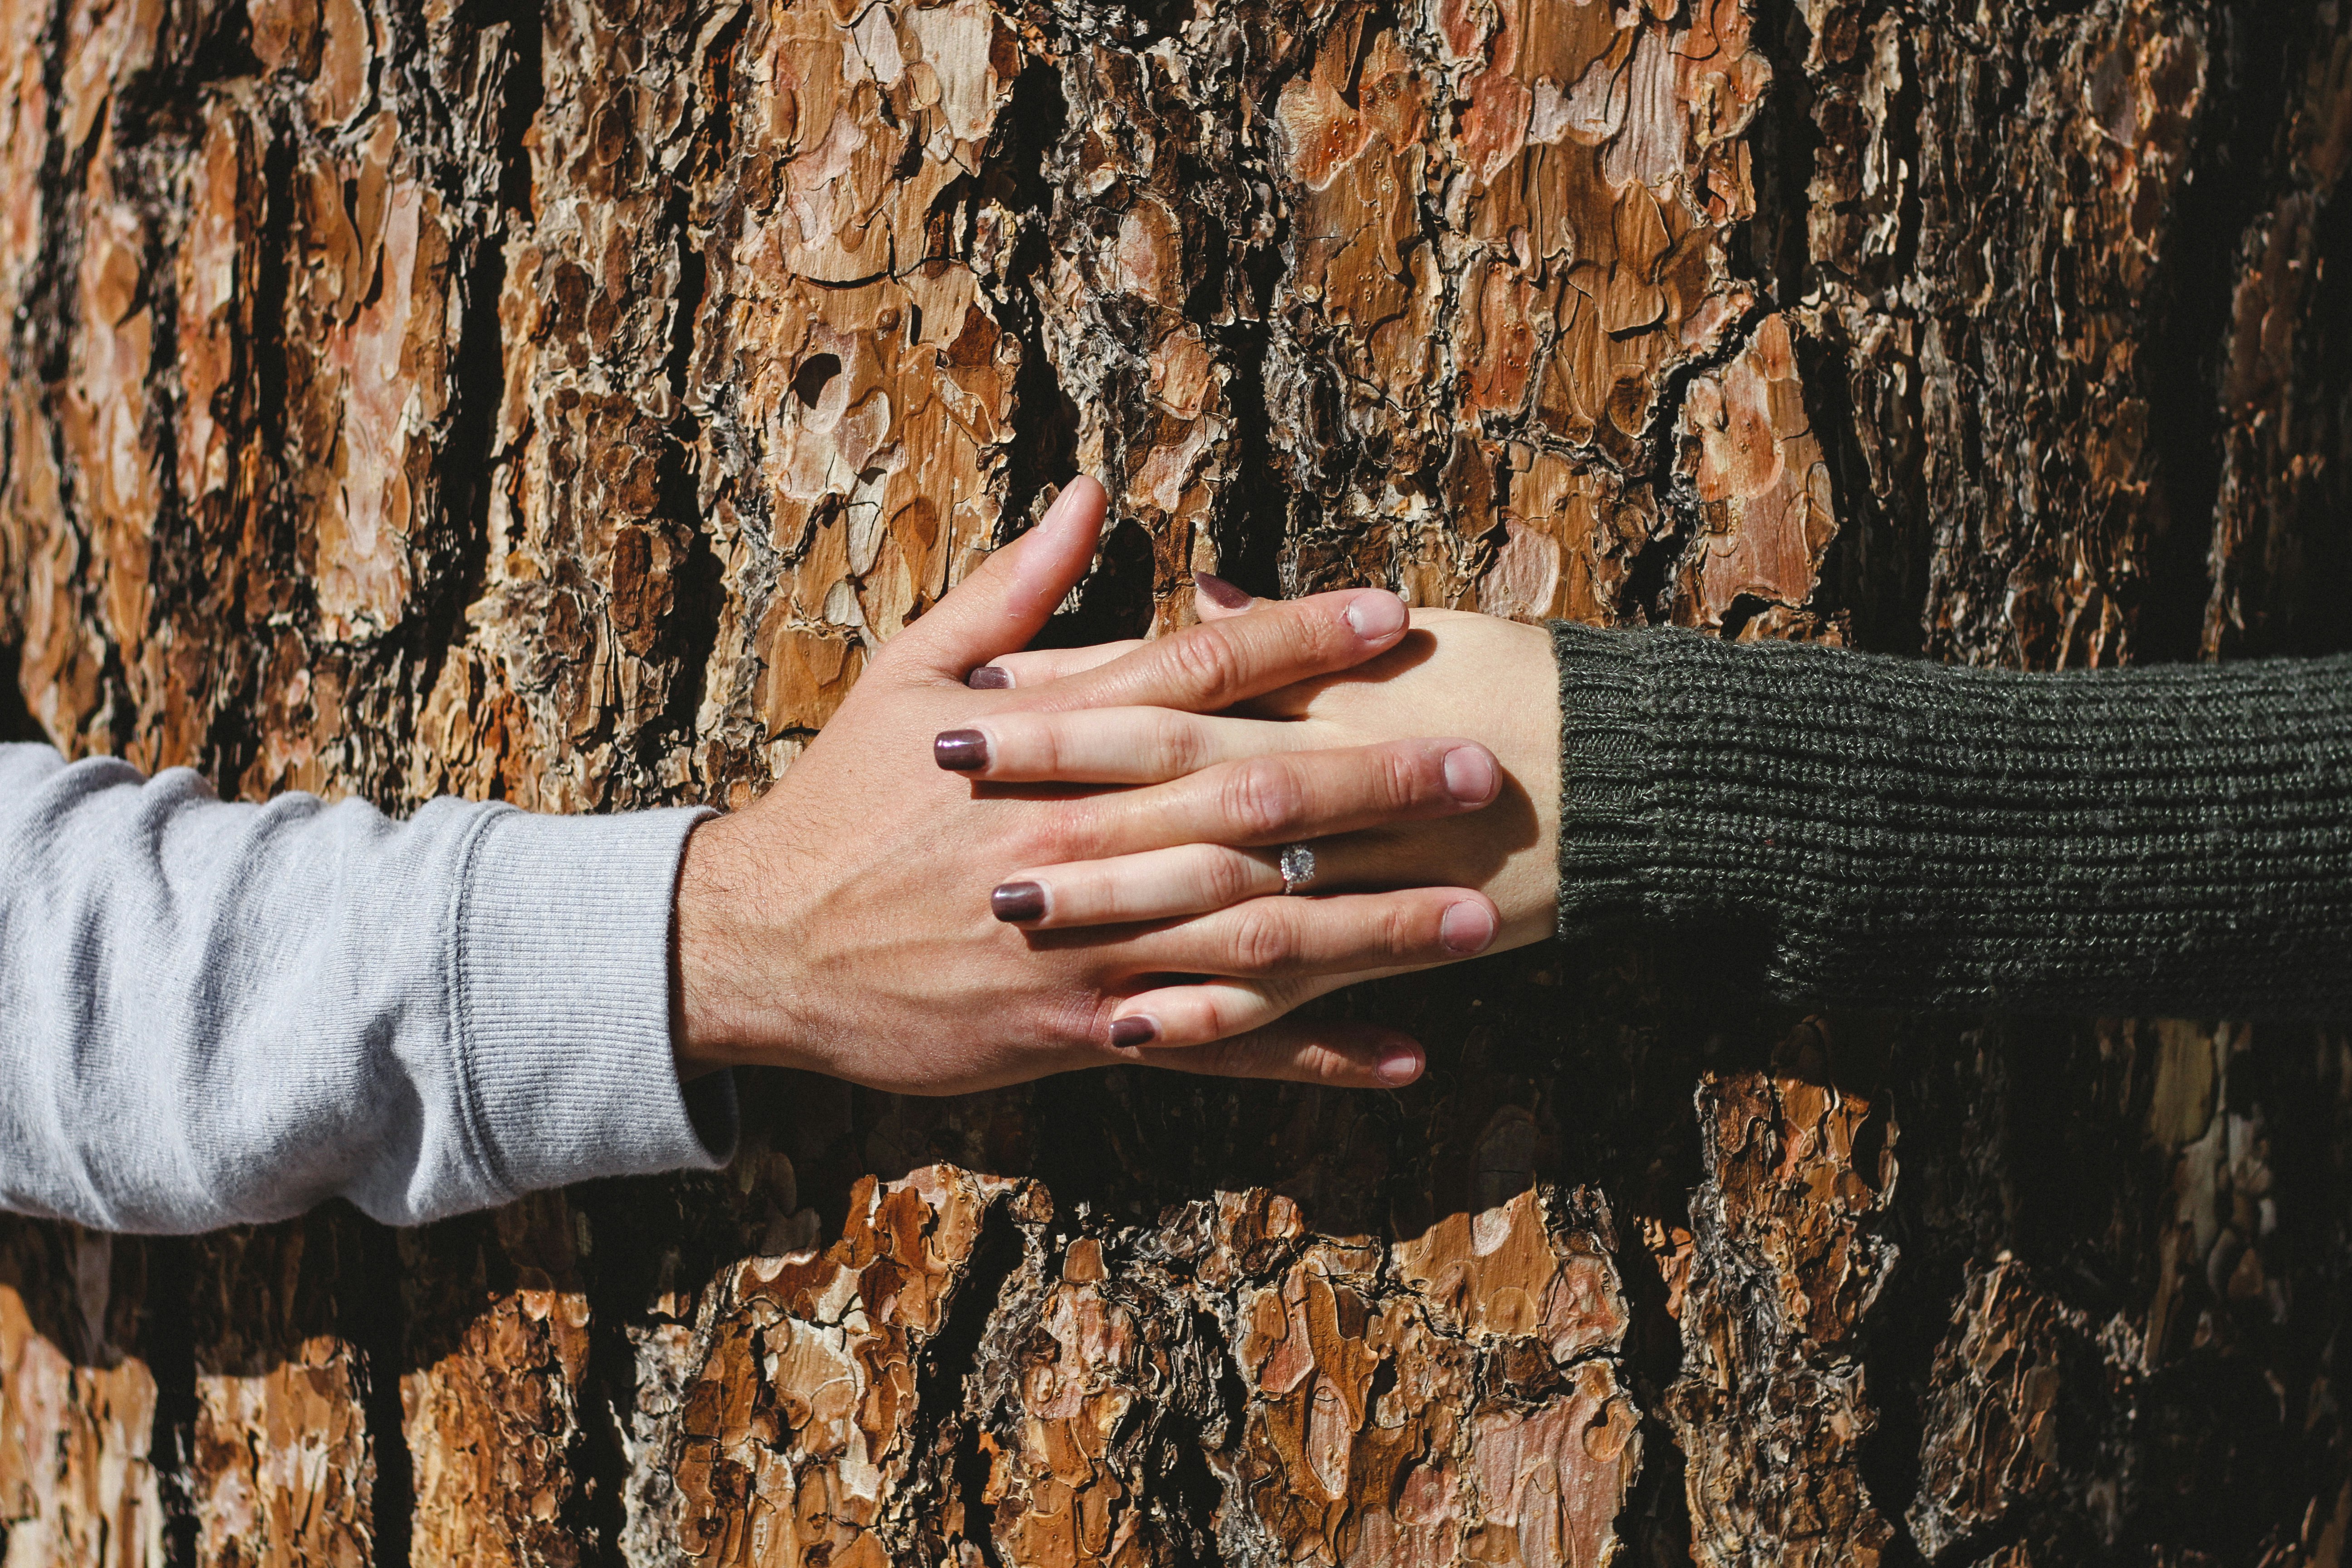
point(1227, 879)
point(1038, 743)
point(1261, 797)
point(1236, 1058)
point(1065, 829)
point(1313, 632)
point(1278, 997)
point(1404, 777)
point(1209, 1019)
point(1410, 777)
point(1261, 939)
point(1321, 1064)
point(1172, 744)
point(1188, 743)
point(1235, 1011)
point(1084, 1023)
point(1404, 933)
point(1235, 1017)
point(1206, 660)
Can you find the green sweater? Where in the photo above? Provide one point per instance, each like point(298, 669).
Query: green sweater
point(1885, 833)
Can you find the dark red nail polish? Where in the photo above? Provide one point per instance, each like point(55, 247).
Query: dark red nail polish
point(1220, 593)
point(1133, 1031)
point(1017, 902)
point(960, 750)
point(988, 678)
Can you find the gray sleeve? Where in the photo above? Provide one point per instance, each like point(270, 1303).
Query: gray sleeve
point(215, 1013)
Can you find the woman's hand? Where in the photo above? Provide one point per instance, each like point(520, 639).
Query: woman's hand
point(843, 923)
point(1489, 681)
point(1483, 678)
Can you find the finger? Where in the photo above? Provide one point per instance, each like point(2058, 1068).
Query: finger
point(1156, 885)
point(1280, 937)
point(1007, 601)
point(1168, 884)
point(1204, 1012)
point(1338, 1054)
point(1217, 664)
point(1281, 799)
point(1215, 599)
point(1038, 666)
point(1109, 745)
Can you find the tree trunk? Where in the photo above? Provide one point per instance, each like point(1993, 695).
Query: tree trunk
point(559, 406)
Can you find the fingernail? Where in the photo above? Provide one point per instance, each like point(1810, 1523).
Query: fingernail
point(1467, 927)
point(1017, 902)
point(1376, 615)
point(1399, 1065)
point(966, 750)
point(1469, 774)
point(1217, 591)
point(1066, 501)
point(1135, 1029)
point(988, 678)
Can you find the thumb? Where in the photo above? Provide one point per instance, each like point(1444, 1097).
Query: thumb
point(1001, 606)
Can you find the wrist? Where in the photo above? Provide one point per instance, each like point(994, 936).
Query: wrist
point(708, 1023)
point(1516, 713)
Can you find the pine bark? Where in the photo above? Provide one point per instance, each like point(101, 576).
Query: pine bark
point(559, 404)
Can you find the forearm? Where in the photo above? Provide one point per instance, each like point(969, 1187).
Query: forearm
point(1896, 834)
point(214, 1013)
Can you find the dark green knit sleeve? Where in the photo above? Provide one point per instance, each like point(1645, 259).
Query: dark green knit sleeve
point(1887, 833)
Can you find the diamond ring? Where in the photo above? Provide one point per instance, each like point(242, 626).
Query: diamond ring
point(1298, 867)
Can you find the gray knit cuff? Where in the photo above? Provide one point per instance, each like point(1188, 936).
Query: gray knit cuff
point(1605, 772)
point(563, 1004)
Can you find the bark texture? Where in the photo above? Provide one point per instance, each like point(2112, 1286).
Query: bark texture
point(560, 403)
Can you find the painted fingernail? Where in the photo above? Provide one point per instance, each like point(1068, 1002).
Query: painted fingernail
point(1376, 615)
point(1135, 1029)
point(966, 750)
point(1399, 1065)
point(988, 678)
point(1467, 927)
point(1014, 902)
point(1217, 591)
point(1469, 774)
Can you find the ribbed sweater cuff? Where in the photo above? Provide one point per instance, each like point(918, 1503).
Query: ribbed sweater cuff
point(563, 1005)
point(1889, 833)
point(1606, 764)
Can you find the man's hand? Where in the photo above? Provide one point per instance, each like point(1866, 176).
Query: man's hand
point(842, 924)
